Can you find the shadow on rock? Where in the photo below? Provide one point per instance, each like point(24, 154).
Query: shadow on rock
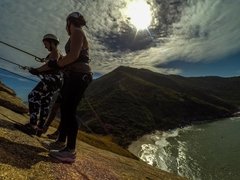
point(7, 125)
point(21, 155)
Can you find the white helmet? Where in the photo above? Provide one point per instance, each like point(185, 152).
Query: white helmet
point(51, 37)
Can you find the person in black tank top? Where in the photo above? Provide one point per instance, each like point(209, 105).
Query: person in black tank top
point(77, 76)
point(83, 57)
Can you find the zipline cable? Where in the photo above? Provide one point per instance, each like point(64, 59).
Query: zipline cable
point(18, 75)
point(19, 65)
point(36, 58)
point(97, 116)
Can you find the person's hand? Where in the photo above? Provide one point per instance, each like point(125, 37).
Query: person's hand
point(43, 60)
point(33, 71)
point(53, 64)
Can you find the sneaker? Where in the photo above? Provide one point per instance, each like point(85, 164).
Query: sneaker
point(64, 155)
point(53, 135)
point(56, 145)
point(28, 128)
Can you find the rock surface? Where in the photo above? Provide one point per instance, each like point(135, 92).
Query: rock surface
point(23, 157)
point(9, 100)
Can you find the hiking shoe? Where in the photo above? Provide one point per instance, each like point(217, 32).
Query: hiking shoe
point(53, 135)
point(64, 155)
point(55, 145)
point(28, 128)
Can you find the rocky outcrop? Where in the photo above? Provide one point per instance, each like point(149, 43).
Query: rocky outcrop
point(9, 100)
point(6, 89)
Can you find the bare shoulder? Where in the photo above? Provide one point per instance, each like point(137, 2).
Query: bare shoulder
point(79, 35)
point(55, 54)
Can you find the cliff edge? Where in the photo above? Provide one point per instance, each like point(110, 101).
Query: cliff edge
point(23, 157)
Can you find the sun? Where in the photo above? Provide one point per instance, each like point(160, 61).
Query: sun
point(139, 14)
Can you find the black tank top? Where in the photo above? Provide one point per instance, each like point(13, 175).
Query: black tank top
point(83, 56)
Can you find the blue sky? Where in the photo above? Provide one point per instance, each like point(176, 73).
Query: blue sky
point(225, 67)
point(185, 37)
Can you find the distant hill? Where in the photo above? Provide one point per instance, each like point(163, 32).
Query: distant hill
point(132, 102)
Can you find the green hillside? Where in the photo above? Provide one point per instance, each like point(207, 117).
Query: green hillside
point(131, 102)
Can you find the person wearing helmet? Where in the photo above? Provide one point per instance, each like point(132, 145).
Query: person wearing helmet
point(77, 76)
point(40, 98)
point(51, 42)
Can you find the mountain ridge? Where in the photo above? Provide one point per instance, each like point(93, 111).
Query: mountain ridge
point(133, 102)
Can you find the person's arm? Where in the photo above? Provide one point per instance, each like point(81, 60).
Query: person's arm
point(53, 56)
point(76, 39)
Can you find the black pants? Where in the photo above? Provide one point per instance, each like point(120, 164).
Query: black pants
point(72, 91)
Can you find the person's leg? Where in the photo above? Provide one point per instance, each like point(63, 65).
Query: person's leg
point(51, 116)
point(60, 140)
point(45, 106)
point(73, 127)
point(63, 123)
point(52, 82)
point(34, 100)
point(53, 112)
point(72, 92)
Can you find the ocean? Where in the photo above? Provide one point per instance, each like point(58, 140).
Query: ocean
point(208, 151)
point(22, 85)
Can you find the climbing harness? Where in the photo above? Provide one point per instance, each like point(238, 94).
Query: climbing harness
point(36, 58)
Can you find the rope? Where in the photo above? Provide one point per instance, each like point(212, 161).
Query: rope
point(36, 58)
point(19, 65)
point(19, 75)
point(85, 125)
point(96, 115)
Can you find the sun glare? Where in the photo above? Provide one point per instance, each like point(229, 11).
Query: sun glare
point(139, 13)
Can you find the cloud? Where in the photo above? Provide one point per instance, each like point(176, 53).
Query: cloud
point(203, 30)
point(198, 31)
point(208, 30)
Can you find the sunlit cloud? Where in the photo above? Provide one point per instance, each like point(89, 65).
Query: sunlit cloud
point(139, 14)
